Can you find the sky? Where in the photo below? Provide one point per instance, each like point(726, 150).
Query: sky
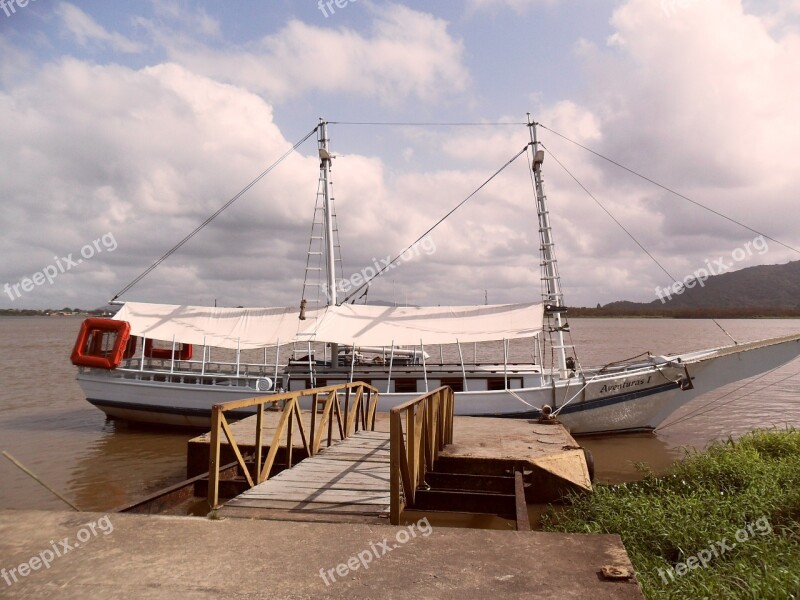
point(124, 125)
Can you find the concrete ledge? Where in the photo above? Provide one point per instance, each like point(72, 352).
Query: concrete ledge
point(185, 557)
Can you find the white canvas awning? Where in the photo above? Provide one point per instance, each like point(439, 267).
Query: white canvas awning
point(360, 325)
point(356, 325)
point(221, 327)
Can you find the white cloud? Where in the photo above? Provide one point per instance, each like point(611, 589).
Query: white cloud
point(699, 99)
point(146, 155)
point(407, 56)
point(88, 31)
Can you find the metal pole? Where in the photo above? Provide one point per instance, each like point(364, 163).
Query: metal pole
point(463, 370)
point(424, 367)
point(505, 362)
point(391, 362)
point(277, 354)
point(311, 367)
point(203, 361)
point(325, 167)
point(553, 295)
point(238, 352)
point(141, 364)
point(172, 362)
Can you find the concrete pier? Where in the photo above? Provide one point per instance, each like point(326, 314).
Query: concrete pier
point(135, 556)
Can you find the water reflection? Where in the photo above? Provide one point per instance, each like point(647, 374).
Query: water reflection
point(127, 462)
point(616, 457)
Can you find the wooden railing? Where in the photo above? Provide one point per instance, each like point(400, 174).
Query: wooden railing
point(360, 401)
point(415, 446)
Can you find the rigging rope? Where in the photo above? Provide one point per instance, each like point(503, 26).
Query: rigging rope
point(435, 225)
point(670, 190)
point(197, 230)
point(638, 243)
point(420, 124)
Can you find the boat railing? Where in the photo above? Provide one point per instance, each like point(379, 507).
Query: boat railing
point(419, 430)
point(351, 405)
point(137, 362)
point(197, 372)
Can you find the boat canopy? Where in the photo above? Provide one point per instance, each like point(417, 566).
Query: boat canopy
point(351, 324)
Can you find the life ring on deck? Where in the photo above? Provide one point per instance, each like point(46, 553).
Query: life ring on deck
point(93, 337)
point(263, 384)
point(182, 351)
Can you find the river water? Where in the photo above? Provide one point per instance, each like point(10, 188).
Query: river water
point(47, 425)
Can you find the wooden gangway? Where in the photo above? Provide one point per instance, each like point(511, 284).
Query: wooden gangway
point(370, 474)
point(346, 482)
point(360, 477)
point(342, 409)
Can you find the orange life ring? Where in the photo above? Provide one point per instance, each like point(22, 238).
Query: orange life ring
point(182, 351)
point(88, 350)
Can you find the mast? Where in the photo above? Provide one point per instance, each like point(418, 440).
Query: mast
point(551, 294)
point(325, 174)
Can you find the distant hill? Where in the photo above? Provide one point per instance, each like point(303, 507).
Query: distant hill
point(766, 290)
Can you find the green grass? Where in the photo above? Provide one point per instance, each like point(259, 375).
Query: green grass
point(705, 499)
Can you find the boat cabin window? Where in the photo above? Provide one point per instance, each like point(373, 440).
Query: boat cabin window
point(499, 383)
point(405, 386)
point(457, 383)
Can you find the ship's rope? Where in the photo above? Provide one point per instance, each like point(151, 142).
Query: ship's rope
point(625, 360)
point(420, 124)
point(670, 190)
point(435, 225)
point(202, 225)
point(625, 229)
point(600, 372)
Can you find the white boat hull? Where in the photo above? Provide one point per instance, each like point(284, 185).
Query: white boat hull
point(637, 399)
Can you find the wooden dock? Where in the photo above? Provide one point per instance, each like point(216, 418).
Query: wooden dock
point(347, 482)
point(493, 466)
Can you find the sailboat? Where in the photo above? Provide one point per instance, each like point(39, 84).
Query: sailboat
point(142, 365)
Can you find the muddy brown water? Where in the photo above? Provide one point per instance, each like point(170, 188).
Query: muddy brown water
point(100, 464)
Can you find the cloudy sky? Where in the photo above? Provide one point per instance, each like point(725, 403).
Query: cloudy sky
point(123, 125)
